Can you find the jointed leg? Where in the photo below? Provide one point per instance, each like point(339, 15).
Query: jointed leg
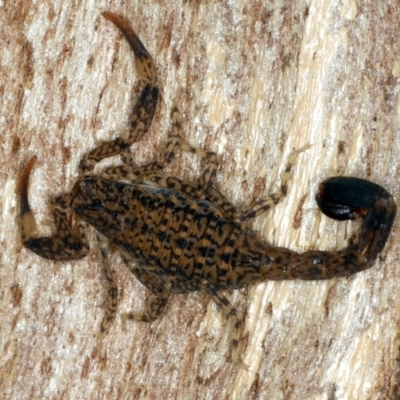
point(206, 190)
point(222, 302)
point(219, 299)
point(158, 301)
point(263, 205)
point(111, 301)
point(231, 312)
point(214, 195)
point(176, 142)
point(131, 173)
point(156, 308)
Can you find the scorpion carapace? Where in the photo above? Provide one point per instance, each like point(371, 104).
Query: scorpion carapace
point(176, 236)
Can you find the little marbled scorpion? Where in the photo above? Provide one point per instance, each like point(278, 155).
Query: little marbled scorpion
point(177, 236)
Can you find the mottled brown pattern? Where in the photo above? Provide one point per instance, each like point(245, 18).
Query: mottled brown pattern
point(250, 103)
point(175, 242)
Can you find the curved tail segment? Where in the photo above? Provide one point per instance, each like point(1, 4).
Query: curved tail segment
point(340, 198)
point(344, 198)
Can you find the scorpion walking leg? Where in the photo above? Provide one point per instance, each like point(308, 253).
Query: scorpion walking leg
point(158, 301)
point(143, 111)
point(133, 174)
point(263, 205)
point(176, 141)
point(69, 244)
point(111, 301)
point(223, 303)
point(212, 194)
point(231, 312)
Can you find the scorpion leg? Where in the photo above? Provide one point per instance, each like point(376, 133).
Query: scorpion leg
point(195, 284)
point(143, 111)
point(158, 301)
point(222, 302)
point(211, 193)
point(146, 174)
point(231, 312)
point(133, 173)
point(176, 141)
point(69, 244)
point(111, 301)
point(263, 205)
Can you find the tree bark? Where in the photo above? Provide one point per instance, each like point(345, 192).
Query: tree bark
point(253, 81)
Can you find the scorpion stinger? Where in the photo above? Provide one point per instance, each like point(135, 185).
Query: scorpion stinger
point(344, 198)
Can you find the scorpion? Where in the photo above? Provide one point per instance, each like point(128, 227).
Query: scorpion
point(176, 236)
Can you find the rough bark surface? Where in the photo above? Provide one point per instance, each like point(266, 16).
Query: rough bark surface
point(253, 80)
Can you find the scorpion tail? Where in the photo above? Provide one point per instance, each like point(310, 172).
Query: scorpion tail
point(344, 198)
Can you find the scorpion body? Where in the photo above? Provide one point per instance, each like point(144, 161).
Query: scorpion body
point(176, 236)
point(183, 241)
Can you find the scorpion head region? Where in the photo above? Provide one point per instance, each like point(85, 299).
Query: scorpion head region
point(94, 204)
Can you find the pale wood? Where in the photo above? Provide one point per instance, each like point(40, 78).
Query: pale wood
point(253, 81)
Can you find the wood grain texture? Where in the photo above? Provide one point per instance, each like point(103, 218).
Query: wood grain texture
point(253, 80)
